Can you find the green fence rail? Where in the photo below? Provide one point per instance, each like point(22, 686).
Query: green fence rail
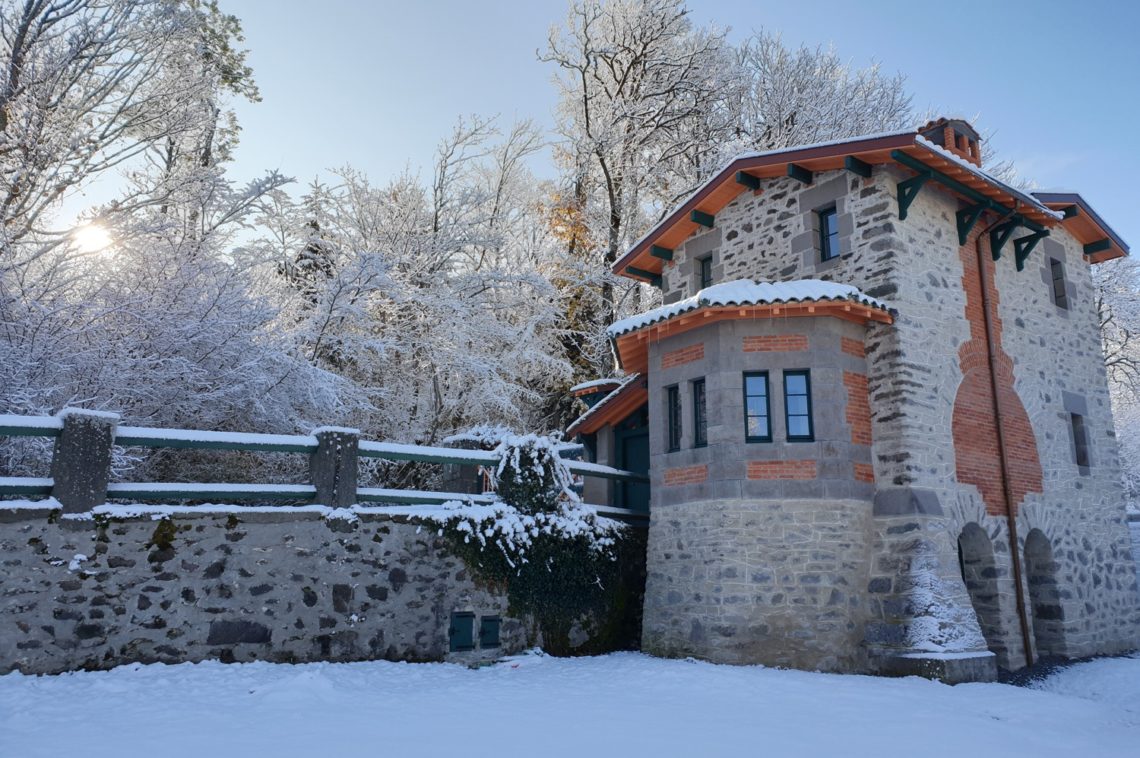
point(133, 436)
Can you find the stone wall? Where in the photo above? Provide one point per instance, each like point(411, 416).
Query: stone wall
point(779, 582)
point(287, 587)
point(758, 551)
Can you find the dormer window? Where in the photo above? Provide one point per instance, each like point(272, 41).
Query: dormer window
point(828, 234)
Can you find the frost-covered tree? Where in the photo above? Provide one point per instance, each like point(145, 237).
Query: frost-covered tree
point(427, 296)
point(650, 105)
point(635, 78)
point(1118, 306)
point(162, 323)
point(805, 95)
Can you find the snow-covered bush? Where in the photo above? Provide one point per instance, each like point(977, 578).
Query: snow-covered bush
point(576, 575)
point(536, 499)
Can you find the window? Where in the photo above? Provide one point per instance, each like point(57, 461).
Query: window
point(673, 416)
point(1080, 440)
point(828, 234)
point(797, 406)
point(1057, 272)
point(757, 409)
point(700, 423)
point(704, 270)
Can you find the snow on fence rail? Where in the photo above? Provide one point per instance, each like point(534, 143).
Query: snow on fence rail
point(82, 457)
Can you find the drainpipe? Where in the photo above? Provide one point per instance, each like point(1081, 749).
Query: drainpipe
point(991, 355)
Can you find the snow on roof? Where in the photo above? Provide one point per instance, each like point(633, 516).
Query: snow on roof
point(625, 382)
point(595, 383)
point(747, 292)
point(762, 154)
point(960, 161)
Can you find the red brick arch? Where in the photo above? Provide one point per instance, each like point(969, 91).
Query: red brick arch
point(974, 424)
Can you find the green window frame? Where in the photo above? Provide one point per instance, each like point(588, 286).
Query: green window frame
point(673, 418)
point(705, 271)
point(757, 407)
point(828, 233)
point(700, 411)
point(797, 406)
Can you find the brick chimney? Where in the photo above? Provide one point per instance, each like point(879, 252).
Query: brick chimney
point(955, 135)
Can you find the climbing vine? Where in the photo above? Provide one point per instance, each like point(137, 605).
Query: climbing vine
point(578, 576)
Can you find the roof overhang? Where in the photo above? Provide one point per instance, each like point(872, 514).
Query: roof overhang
point(724, 187)
point(613, 408)
point(632, 348)
point(1100, 241)
point(909, 150)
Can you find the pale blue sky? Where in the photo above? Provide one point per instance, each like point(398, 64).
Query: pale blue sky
point(378, 84)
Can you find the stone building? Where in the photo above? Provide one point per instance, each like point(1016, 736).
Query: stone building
point(875, 416)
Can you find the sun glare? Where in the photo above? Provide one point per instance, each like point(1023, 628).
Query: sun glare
point(92, 238)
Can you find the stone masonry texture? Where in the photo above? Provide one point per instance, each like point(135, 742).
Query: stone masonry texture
point(287, 588)
point(904, 446)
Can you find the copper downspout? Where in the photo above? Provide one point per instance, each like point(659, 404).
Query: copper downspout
point(991, 356)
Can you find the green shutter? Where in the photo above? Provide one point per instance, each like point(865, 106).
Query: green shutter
point(462, 631)
point(489, 631)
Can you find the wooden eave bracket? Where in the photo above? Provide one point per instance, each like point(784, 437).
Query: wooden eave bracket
point(1001, 233)
point(907, 191)
point(1023, 246)
point(967, 218)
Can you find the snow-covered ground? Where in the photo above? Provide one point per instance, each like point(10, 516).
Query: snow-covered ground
point(618, 705)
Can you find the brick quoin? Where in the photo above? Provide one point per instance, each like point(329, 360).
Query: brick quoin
point(864, 472)
point(782, 469)
point(683, 356)
point(852, 347)
point(686, 475)
point(777, 343)
point(974, 426)
point(858, 407)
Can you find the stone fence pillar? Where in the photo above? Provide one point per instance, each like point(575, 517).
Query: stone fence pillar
point(463, 478)
point(81, 462)
point(333, 466)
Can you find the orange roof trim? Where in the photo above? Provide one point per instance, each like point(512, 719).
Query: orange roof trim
point(723, 188)
point(613, 408)
point(632, 348)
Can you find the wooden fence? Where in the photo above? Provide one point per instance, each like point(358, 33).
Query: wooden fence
point(81, 465)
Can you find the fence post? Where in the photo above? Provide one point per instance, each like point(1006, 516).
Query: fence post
point(333, 465)
point(81, 461)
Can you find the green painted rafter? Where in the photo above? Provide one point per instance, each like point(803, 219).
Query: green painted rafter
point(654, 279)
point(951, 183)
point(800, 173)
point(702, 218)
point(856, 166)
point(748, 180)
point(663, 253)
point(1098, 247)
point(1023, 246)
